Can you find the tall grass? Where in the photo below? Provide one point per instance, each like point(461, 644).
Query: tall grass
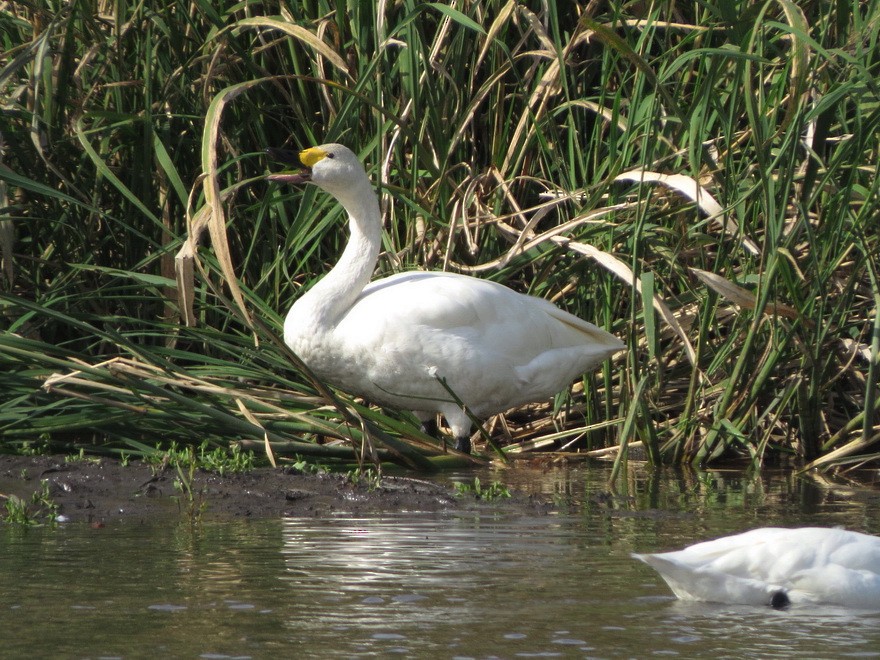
point(700, 179)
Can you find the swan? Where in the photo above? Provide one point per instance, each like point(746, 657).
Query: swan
point(778, 567)
point(391, 341)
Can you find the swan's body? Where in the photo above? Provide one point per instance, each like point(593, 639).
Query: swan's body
point(777, 566)
point(391, 340)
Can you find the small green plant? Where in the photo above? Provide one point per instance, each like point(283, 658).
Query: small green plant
point(186, 464)
point(81, 457)
point(222, 459)
point(38, 447)
point(494, 491)
point(706, 481)
point(306, 466)
point(17, 512)
point(368, 477)
point(42, 499)
point(158, 460)
point(41, 506)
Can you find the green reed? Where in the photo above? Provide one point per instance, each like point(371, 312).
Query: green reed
point(716, 165)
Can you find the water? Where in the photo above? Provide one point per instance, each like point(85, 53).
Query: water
point(456, 585)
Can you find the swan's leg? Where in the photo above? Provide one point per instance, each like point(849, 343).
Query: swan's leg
point(463, 444)
point(429, 427)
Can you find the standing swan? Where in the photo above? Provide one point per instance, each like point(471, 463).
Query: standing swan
point(391, 340)
point(777, 567)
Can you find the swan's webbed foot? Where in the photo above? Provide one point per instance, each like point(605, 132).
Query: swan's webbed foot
point(779, 600)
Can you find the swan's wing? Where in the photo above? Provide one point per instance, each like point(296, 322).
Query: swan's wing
point(845, 569)
point(496, 347)
point(443, 302)
point(489, 314)
point(761, 553)
point(837, 585)
point(852, 549)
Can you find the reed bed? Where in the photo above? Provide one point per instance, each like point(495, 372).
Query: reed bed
point(698, 178)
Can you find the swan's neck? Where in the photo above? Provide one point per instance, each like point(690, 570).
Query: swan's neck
point(328, 300)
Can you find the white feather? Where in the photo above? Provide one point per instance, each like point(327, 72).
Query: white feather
point(388, 340)
point(807, 565)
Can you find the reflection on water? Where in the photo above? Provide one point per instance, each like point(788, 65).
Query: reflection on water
point(423, 584)
point(464, 584)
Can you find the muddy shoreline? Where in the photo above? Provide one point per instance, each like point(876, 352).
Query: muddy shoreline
point(103, 490)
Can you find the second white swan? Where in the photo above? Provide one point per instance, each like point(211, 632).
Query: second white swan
point(778, 567)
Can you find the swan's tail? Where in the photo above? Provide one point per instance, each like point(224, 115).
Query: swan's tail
point(705, 584)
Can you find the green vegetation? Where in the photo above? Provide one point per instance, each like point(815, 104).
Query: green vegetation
point(82, 456)
point(367, 477)
point(220, 459)
point(185, 462)
point(494, 491)
point(306, 466)
point(698, 178)
point(41, 507)
point(225, 459)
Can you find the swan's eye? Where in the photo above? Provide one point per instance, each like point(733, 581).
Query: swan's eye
point(330, 154)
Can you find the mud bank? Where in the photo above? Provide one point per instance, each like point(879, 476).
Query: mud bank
point(101, 490)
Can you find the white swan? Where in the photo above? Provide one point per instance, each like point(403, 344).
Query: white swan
point(390, 340)
point(777, 567)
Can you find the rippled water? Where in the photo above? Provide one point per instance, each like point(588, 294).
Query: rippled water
point(468, 584)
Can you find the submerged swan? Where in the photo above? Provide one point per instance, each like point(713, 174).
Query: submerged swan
point(391, 340)
point(777, 567)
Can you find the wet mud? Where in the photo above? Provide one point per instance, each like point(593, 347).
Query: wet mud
point(101, 490)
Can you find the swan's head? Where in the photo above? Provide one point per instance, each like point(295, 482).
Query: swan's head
point(331, 167)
